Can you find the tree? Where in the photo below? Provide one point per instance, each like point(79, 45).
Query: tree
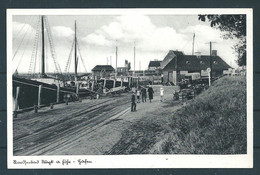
point(231, 26)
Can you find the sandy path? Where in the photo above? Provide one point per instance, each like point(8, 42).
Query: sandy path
point(87, 128)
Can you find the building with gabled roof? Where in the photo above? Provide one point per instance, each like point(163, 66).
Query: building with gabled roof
point(176, 63)
point(101, 71)
point(154, 65)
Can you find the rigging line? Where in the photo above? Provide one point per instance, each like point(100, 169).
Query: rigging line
point(21, 28)
point(196, 43)
point(35, 46)
point(21, 42)
point(53, 53)
point(81, 56)
point(69, 58)
point(85, 54)
point(185, 45)
point(24, 51)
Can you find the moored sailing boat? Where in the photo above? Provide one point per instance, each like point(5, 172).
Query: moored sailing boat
point(42, 89)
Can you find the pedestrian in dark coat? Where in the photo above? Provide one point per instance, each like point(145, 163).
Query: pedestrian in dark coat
point(143, 92)
point(133, 104)
point(150, 93)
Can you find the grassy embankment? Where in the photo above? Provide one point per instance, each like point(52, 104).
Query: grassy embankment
point(213, 123)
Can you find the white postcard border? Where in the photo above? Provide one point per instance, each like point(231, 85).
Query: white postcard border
point(133, 161)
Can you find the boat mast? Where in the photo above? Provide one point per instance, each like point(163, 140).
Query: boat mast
point(43, 52)
point(76, 62)
point(116, 58)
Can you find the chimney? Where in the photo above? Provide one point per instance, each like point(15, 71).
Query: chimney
point(214, 52)
point(198, 54)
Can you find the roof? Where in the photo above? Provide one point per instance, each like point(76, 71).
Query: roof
point(192, 62)
point(171, 54)
point(103, 68)
point(154, 64)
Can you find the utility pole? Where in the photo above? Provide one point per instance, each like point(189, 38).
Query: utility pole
point(210, 45)
point(210, 58)
point(193, 44)
point(134, 58)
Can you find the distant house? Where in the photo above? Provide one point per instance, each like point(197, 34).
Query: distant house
point(176, 63)
point(101, 71)
point(154, 65)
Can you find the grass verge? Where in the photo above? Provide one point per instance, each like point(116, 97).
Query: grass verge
point(213, 123)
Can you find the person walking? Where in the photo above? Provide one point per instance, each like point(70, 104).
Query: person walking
point(143, 92)
point(150, 93)
point(138, 93)
point(133, 104)
point(161, 94)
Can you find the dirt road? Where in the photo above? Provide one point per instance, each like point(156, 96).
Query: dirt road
point(92, 127)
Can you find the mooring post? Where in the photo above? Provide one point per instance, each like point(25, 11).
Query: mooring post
point(58, 93)
point(16, 98)
point(105, 81)
point(39, 96)
point(114, 85)
point(129, 82)
point(35, 108)
point(16, 101)
point(93, 83)
point(77, 88)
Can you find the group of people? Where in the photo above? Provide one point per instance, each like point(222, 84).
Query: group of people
point(141, 91)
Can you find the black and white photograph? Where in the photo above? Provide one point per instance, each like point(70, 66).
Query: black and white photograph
point(130, 88)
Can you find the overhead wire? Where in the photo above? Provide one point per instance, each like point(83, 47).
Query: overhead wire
point(53, 53)
point(66, 70)
point(16, 51)
point(81, 57)
point(26, 45)
point(21, 28)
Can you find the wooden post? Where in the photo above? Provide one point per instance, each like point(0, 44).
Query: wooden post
point(105, 81)
point(129, 82)
point(114, 85)
point(174, 77)
point(92, 87)
point(39, 96)
point(16, 102)
point(16, 98)
point(77, 88)
point(58, 93)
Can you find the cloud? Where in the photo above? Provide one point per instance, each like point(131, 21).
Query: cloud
point(61, 31)
point(139, 29)
point(150, 38)
point(19, 29)
point(97, 39)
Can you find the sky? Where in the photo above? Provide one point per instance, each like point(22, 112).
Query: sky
point(98, 35)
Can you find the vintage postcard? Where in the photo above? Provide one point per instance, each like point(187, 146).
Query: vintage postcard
point(130, 88)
